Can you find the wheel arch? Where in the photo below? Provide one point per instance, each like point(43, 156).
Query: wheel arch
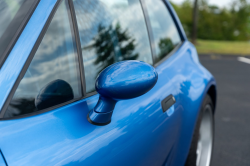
point(212, 92)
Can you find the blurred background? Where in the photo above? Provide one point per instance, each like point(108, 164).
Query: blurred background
point(220, 30)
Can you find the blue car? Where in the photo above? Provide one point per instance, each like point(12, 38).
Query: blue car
point(101, 83)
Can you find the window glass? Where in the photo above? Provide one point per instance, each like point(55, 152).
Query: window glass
point(12, 14)
point(8, 9)
point(165, 34)
point(110, 31)
point(53, 75)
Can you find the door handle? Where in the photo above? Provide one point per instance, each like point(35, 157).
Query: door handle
point(167, 102)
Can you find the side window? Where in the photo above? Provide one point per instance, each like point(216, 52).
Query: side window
point(110, 31)
point(165, 33)
point(53, 76)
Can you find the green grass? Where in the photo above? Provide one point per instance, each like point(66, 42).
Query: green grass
point(223, 47)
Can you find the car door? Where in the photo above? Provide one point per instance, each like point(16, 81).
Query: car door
point(45, 122)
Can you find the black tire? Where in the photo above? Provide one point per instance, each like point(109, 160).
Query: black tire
point(192, 156)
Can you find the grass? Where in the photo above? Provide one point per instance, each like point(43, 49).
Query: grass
point(223, 47)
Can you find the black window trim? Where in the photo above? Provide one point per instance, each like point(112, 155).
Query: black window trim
point(78, 43)
point(149, 30)
point(150, 33)
point(30, 58)
point(78, 46)
point(80, 61)
point(18, 32)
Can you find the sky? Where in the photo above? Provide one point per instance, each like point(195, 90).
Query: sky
point(219, 3)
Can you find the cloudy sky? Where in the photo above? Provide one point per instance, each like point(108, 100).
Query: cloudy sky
point(220, 3)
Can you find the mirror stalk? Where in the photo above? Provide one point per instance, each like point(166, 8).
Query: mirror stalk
point(102, 112)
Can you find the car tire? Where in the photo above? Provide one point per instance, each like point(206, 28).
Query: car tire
point(200, 152)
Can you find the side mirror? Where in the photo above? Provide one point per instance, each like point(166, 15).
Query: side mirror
point(120, 81)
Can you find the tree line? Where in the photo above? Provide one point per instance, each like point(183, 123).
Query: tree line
point(209, 22)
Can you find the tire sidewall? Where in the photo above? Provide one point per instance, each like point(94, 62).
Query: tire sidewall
point(192, 156)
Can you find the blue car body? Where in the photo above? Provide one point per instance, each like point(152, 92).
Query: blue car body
point(139, 133)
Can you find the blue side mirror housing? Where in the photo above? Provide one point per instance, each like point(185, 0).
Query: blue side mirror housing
point(120, 81)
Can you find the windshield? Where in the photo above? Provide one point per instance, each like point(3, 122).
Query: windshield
point(12, 15)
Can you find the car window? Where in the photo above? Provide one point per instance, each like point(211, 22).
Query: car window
point(52, 77)
point(8, 10)
point(12, 14)
point(110, 31)
point(165, 33)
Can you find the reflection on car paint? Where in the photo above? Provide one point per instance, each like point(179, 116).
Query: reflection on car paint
point(140, 133)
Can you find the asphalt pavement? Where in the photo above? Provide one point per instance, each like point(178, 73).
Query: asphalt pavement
point(232, 118)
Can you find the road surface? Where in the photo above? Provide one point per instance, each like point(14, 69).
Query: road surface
point(232, 118)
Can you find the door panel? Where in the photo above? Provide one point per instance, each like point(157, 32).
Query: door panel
point(139, 134)
point(2, 160)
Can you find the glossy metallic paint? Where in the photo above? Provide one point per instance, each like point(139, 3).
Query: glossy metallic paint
point(2, 160)
point(139, 134)
point(126, 80)
point(120, 81)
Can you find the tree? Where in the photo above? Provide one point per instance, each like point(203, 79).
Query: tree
point(184, 12)
point(195, 20)
point(213, 23)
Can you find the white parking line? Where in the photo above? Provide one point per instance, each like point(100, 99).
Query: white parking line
point(243, 59)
